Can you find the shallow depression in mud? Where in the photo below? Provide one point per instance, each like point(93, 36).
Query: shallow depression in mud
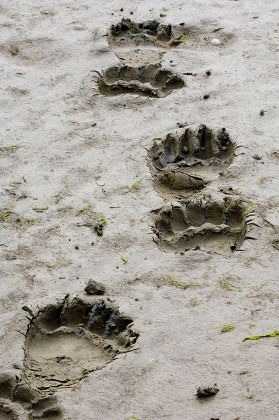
point(162, 35)
point(65, 348)
point(147, 80)
point(67, 341)
point(190, 158)
point(198, 224)
point(142, 33)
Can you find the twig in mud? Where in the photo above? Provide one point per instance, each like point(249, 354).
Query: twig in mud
point(50, 229)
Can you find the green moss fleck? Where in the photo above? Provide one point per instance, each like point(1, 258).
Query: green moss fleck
point(227, 328)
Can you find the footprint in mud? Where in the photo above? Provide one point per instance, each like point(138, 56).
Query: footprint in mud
point(6, 412)
point(68, 340)
point(162, 35)
point(147, 80)
point(64, 343)
point(203, 223)
point(188, 159)
point(125, 36)
point(6, 387)
point(18, 400)
point(149, 32)
point(31, 403)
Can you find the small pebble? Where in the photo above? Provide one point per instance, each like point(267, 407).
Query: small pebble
point(76, 247)
point(262, 113)
point(208, 72)
point(215, 41)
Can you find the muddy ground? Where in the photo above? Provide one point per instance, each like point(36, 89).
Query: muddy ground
point(185, 241)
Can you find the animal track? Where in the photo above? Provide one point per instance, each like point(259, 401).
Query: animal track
point(6, 412)
point(219, 226)
point(188, 159)
point(162, 35)
point(147, 32)
point(17, 397)
point(147, 80)
point(64, 343)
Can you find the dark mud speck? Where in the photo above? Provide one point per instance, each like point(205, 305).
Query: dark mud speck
point(207, 392)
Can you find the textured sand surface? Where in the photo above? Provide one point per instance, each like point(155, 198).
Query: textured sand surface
point(73, 153)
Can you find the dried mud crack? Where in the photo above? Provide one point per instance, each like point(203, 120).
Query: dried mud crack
point(203, 223)
point(190, 158)
point(147, 80)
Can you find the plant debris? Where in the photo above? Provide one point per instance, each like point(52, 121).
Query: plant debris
point(100, 224)
point(228, 285)
point(258, 337)
point(86, 209)
point(123, 258)
point(39, 209)
point(194, 302)
point(14, 49)
point(5, 214)
point(172, 281)
point(7, 150)
point(136, 185)
point(227, 328)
